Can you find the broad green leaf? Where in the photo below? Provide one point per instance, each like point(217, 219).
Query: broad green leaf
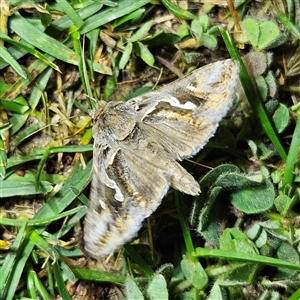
point(191, 57)
point(234, 181)
point(203, 21)
point(281, 118)
point(132, 290)
point(143, 52)
point(217, 292)
point(231, 234)
point(261, 34)
point(272, 84)
point(262, 86)
point(256, 63)
point(197, 29)
point(209, 221)
point(262, 239)
point(283, 203)
point(254, 231)
point(209, 41)
point(194, 273)
point(183, 30)
point(241, 274)
point(157, 288)
point(288, 253)
point(167, 270)
point(251, 28)
point(254, 199)
point(212, 175)
point(250, 194)
point(268, 33)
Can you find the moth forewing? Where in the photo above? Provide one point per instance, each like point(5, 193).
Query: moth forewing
point(137, 145)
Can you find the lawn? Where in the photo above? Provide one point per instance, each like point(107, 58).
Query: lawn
point(62, 63)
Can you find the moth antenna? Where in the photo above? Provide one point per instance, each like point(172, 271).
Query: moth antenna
point(158, 79)
point(199, 164)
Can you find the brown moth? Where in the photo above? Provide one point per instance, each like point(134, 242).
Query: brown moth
point(137, 145)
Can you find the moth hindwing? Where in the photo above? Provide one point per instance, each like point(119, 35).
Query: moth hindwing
point(137, 146)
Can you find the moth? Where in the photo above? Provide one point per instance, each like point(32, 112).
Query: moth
point(137, 146)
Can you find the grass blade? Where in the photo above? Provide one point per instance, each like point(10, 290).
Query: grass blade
point(5, 55)
point(40, 40)
point(107, 15)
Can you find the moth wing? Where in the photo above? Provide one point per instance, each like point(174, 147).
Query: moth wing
point(106, 221)
point(132, 174)
point(128, 184)
point(184, 115)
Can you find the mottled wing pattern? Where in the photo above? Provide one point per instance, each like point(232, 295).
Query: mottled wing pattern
point(137, 145)
point(208, 92)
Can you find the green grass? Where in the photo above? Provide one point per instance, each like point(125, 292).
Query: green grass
point(238, 240)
